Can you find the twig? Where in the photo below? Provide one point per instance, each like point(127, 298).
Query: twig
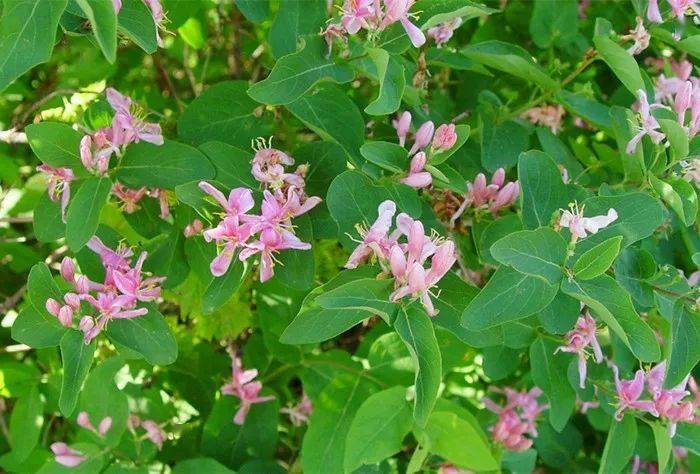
point(166, 80)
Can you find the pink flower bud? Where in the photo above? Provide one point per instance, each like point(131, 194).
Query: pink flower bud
point(418, 162)
point(82, 285)
point(418, 180)
point(53, 306)
point(423, 137)
point(86, 323)
point(72, 300)
point(86, 152)
point(499, 177)
point(397, 261)
point(83, 420)
point(65, 316)
point(133, 421)
point(682, 100)
point(68, 269)
point(445, 137)
point(402, 126)
point(105, 425)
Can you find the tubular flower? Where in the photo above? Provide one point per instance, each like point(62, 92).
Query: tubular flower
point(492, 197)
point(648, 126)
point(58, 184)
point(580, 226)
point(578, 339)
point(517, 418)
point(243, 387)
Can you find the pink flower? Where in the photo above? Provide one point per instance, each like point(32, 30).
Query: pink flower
point(104, 426)
point(58, 184)
point(268, 165)
point(444, 31)
point(126, 126)
point(162, 196)
point(417, 178)
point(517, 418)
point(131, 284)
point(445, 137)
point(402, 125)
point(300, 413)
point(193, 228)
point(653, 13)
point(640, 36)
point(549, 116)
point(628, 393)
point(83, 421)
point(397, 10)
point(110, 258)
point(240, 200)
point(494, 196)
point(580, 226)
point(376, 238)
point(356, 13)
point(423, 137)
point(66, 456)
point(129, 197)
point(243, 387)
point(272, 240)
point(649, 125)
point(680, 7)
point(578, 339)
point(154, 432)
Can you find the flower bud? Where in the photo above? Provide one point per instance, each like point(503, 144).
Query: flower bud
point(53, 306)
point(423, 137)
point(499, 177)
point(418, 180)
point(105, 425)
point(72, 300)
point(86, 152)
point(65, 316)
point(68, 269)
point(83, 420)
point(445, 137)
point(86, 323)
point(402, 126)
point(682, 101)
point(82, 285)
point(418, 162)
point(397, 261)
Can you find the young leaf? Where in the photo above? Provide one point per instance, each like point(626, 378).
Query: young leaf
point(392, 83)
point(416, 330)
point(539, 253)
point(27, 35)
point(543, 191)
point(679, 195)
point(378, 429)
point(77, 359)
point(684, 344)
point(623, 64)
point(103, 20)
point(613, 305)
point(598, 259)
point(549, 371)
point(619, 445)
point(509, 295)
point(296, 73)
point(83, 214)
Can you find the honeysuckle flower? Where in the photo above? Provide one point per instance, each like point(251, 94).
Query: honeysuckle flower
point(158, 16)
point(516, 419)
point(648, 126)
point(679, 8)
point(239, 202)
point(669, 403)
point(96, 151)
point(423, 137)
point(193, 228)
point(64, 312)
point(68, 269)
point(653, 13)
point(628, 393)
point(444, 31)
point(128, 197)
point(376, 239)
point(135, 288)
point(639, 36)
point(494, 196)
point(104, 426)
point(66, 456)
point(418, 178)
point(331, 33)
point(162, 196)
point(58, 185)
point(133, 128)
point(402, 124)
point(117, 4)
point(112, 259)
point(578, 339)
point(682, 101)
point(397, 10)
point(272, 240)
point(300, 413)
point(580, 226)
point(356, 13)
point(268, 164)
point(154, 432)
point(445, 137)
point(549, 116)
point(243, 387)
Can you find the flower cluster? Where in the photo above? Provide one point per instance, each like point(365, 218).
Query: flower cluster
point(492, 197)
point(666, 404)
point(283, 199)
point(578, 339)
point(580, 226)
point(427, 142)
point(375, 16)
point(66, 456)
point(115, 298)
point(679, 9)
point(243, 386)
point(153, 431)
point(405, 261)
point(299, 414)
point(517, 418)
point(549, 116)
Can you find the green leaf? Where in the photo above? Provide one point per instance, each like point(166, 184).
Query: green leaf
point(434, 12)
point(390, 156)
point(47, 220)
point(619, 446)
point(56, 144)
point(222, 288)
point(662, 441)
point(83, 214)
point(459, 440)
point(688, 436)
point(232, 164)
point(561, 314)
point(296, 73)
point(549, 371)
point(623, 64)
point(509, 295)
point(77, 359)
point(225, 113)
point(623, 121)
point(296, 19)
point(502, 143)
point(367, 294)
point(198, 465)
point(378, 429)
point(588, 109)
point(331, 114)
point(149, 335)
point(510, 59)
point(462, 132)
point(323, 448)
point(677, 137)
point(684, 344)
point(167, 258)
point(254, 10)
point(415, 328)
point(539, 253)
point(392, 83)
point(26, 420)
point(543, 191)
point(27, 35)
point(679, 195)
point(598, 259)
point(193, 33)
point(136, 22)
point(554, 26)
point(164, 166)
point(103, 20)
point(613, 305)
